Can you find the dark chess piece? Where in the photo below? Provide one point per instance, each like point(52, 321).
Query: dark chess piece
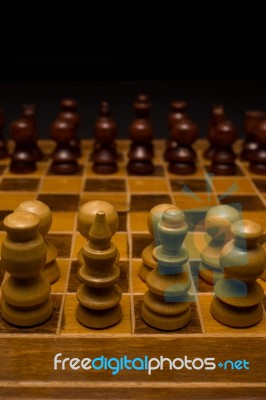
point(223, 161)
point(258, 156)
point(217, 116)
point(22, 158)
point(251, 144)
point(238, 297)
point(64, 159)
point(141, 134)
point(3, 146)
point(69, 113)
point(28, 112)
point(178, 112)
point(104, 154)
point(182, 158)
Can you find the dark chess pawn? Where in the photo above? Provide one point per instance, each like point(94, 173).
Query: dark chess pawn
point(64, 159)
point(69, 113)
point(3, 146)
point(217, 116)
point(223, 161)
point(28, 112)
point(177, 113)
point(252, 118)
point(104, 153)
point(141, 134)
point(182, 158)
point(258, 157)
point(22, 158)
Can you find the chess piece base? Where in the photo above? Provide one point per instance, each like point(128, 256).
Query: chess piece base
point(236, 317)
point(22, 167)
point(257, 168)
point(182, 169)
point(144, 271)
point(65, 168)
point(27, 317)
point(104, 169)
point(166, 322)
point(140, 168)
point(99, 319)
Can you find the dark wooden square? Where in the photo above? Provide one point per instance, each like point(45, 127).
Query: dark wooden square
point(62, 242)
point(200, 285)
point(195, 219)
point(105, 185)
point(25, 185)
point(246, 203)
point(142, 328)
point(147, 202)
point(139, 242)
point(195, 185)
point(60, 202)
point(122, 227)
point(260, 184)
point(47, 327)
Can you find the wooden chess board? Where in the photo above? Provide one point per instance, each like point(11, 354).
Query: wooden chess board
point(27, 354)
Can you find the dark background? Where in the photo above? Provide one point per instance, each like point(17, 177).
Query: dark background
point(45, 79)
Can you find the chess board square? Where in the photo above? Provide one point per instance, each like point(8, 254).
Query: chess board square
point(139, 242)
point(61, 184)
point(105, 185)
point(60, 285)
point(213, 326)
point(60, 202)
point(158, 171)
point(70, 325)
point(199, 283)
point(138, 221)
point(62, 242)
point(260, 184)
point(78, 173)
point(141, 327)
point(247, 202)
point(63, 221)
point(50, 326)
point(3, 214)
point(224, 185)
point(199, 201)
point(196, 185)
point(122, 226)
point(138, 185)
point(119, 200)
point(16, 184)
point(9, 202)
point(145, 202)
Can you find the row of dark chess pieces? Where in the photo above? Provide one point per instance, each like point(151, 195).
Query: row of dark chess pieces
point(179, 152)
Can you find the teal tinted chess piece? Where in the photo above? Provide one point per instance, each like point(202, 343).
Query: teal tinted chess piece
point(167, 304)
point(218, 222)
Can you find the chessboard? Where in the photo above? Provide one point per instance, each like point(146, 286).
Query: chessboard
point(27, 355)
